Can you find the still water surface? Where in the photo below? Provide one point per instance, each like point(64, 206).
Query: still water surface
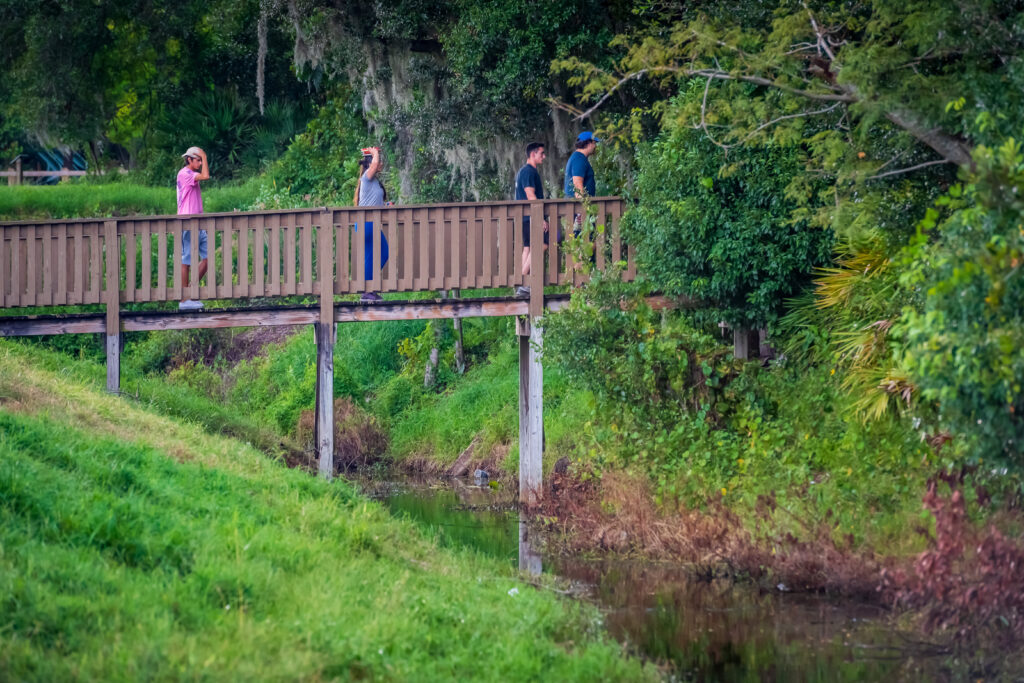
point(694, 629)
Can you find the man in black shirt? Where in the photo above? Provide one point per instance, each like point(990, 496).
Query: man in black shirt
point(529, 187)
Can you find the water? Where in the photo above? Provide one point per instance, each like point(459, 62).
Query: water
point(701, 630)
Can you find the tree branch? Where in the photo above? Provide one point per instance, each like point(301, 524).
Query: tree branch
point(910, 168)
point(788, 116)
point(760, 80)
point(949, 147)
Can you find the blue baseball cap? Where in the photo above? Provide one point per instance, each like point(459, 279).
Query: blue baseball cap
point(585, 136)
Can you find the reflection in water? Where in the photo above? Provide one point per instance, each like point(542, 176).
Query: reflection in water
point(698, 630)
point(529, 559)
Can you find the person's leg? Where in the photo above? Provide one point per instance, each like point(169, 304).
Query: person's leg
point(526, 261)
point(368, 260)
point(368, 251)
point(202, 269)
point(186, 261)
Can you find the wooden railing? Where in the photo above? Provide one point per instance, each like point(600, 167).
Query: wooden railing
point(302, 252)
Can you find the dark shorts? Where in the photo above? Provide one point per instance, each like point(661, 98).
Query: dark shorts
point(526, 233)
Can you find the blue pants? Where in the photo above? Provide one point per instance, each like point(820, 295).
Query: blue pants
point(368, 241)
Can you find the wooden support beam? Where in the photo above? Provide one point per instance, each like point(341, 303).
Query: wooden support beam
point(151, 321)
point(325, 398)
point(325, 346)
point(26, 326)
point(112, 298)
point(531, 411)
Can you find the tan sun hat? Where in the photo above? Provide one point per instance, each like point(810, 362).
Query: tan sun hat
point(193, 152)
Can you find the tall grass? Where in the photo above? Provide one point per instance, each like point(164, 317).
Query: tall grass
point(135, 547)
point(86, 200)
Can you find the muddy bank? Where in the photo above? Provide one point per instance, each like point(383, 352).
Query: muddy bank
point(966, 589)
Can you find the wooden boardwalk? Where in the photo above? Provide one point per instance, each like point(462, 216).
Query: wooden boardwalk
point(317, 254)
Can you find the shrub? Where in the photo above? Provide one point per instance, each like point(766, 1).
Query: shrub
point(718, 226)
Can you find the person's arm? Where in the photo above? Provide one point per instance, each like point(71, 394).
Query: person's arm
point(204, 174)
point(374, 164)
point(577, 183)
point(355, 199)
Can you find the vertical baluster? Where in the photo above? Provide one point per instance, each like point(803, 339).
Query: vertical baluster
point(146, 291)
point(305, 229)
point(433, 229)
point(95, 264)
point(31, 272)
point(46, 272)
point(5, 255)
point(161, 260)
point(343, 261)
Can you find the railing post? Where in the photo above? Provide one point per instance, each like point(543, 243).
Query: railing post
point(113, 301)
point(325, 346)
point(536, 282)
point(17, 177)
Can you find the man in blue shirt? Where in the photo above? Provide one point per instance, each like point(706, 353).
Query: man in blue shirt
point(579, 174)
point(528, 188)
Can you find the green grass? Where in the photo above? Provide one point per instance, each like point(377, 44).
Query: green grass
point(87, 200)
point(136, 547)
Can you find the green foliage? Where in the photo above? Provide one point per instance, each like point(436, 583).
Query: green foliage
point(102, 76)
point(324, 159)
point(652, 368)
point(236, 138)
point(964, 345)
point(718, 228)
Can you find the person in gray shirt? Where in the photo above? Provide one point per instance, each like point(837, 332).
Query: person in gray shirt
point(370, 192)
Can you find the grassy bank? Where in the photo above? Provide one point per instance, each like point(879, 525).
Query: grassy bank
point(80, 199)
point(789, 449)
point(135, 546)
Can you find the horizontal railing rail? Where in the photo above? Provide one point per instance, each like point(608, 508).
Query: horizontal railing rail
point(305, 252)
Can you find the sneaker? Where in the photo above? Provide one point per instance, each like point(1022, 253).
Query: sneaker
point(190, 305)
point(371, 296)
point(522, 291)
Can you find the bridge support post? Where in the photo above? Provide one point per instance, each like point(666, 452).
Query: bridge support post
point(743, 342)
point(113, 301)
point(325, 333)
point(325, 399)
point(531, 411)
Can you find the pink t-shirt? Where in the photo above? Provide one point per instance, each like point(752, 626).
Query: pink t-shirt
point(190, 198)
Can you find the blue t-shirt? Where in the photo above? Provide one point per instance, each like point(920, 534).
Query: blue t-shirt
point(579, 165)
point(528, 177)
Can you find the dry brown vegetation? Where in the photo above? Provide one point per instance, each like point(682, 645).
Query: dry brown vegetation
point(969, 582)
point(618, 514)
point(358, 439)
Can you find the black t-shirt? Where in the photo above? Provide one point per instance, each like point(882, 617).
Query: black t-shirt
point(528, 177)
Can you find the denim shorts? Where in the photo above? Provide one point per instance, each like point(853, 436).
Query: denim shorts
point(186, 246)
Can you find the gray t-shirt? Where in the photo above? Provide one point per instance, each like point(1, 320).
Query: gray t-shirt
point(371, 192)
